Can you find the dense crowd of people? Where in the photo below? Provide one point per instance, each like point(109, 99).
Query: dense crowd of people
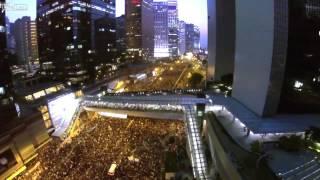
point(136, 145)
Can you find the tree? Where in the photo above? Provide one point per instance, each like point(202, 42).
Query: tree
point(256, 147)
point(227, 79)
point(313, 134)
point(195, 80)
point(292, 143)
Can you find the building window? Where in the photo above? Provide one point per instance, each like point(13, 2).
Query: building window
point(2, 29)
point(51, 90)
point(39, 94)
point(7, 160)
point(43, 109)
point(29, 98)
point(2, 92)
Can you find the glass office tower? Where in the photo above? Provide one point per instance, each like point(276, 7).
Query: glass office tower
point(67, 37)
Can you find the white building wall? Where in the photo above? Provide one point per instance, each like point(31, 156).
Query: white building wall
point(221, 36)
point(254, 52)
point(211, 39)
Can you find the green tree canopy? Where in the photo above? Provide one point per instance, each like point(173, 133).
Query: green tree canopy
point(195, 80)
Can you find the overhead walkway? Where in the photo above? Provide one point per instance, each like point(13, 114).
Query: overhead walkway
point(308, 171)
point(175, 103)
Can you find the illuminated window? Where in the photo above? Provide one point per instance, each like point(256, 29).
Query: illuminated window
point(70, 47)
point(76, 8)
point(45, 116)
point(298, 84)
point(2, 29)
point(79, 93)
point(8, 160)
point(60, 87)
point(17, 109)
point(43, 109)
point(2, 91)
point(29, 98)
point(51, 90)
point(55, 3)
point(47, 123)
point(39, 94)
point(5, 101)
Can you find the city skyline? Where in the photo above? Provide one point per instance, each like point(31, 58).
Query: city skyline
point(184, 6)
point(86, 93)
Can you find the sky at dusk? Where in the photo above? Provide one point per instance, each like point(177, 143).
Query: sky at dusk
point(190, 11)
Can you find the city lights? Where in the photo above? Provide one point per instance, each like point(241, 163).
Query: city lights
point(159, 89)
point(298, 84)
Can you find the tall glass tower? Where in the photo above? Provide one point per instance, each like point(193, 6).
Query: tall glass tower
point(161, 38)
point(173, 28)
point(67, 33)
point(139, 29)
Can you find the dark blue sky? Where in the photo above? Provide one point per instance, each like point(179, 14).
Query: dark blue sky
point(191, 11)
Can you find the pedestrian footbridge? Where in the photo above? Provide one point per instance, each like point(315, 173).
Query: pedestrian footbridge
point(176, 104)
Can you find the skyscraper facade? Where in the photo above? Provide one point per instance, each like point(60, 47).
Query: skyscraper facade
point(25, 33)
point(280, 75)
point(34, 43)
point(182, 37)
point(173, 28)
point(105, 40)
point(67, 35)
point(192, 38)
point(7, 107)
point(140, 29)
point(221, 38)
point(11, 43)
point(301, 86)
point(121, 34)
point(161, 36)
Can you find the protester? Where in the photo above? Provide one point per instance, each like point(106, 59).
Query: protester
point(136, 145)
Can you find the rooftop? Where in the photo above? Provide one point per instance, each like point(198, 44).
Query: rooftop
point(282, 123)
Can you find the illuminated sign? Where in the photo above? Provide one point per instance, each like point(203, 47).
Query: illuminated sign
point(61, 111)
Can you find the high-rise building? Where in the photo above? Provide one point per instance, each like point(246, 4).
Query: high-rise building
point(312, 8)
point(301, 86)
point(25, 33)
point(261, 42)
point(11, 43)
point(140, 29)
point(161, 36)
point(221, 38)
point(67, 35)
point(173, 28)
point(182, 37)
point(196, 39)
point(121, 34)
point(34, 43)
point(280, 75)
point(105, 40)
point(192, 38)
point(7, 107)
